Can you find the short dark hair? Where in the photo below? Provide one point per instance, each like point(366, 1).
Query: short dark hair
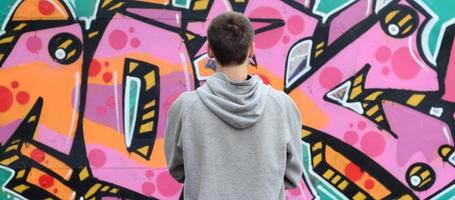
point(230, 35)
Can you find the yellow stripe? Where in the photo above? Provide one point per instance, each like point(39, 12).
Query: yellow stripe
point(373, 110)
point(66, 43)
point(414, 170)
point(118, 5)
point(317, 146)
point(415, 99)
point(32, 119)
point(343, 185)
point(146, 127)
point(9, 160)
point(406, 30)
point(379, 118)
point(373, 96)
point(20, 188)
point(317, 159)
point(83, 174)
point(150, 80)
point(355, 92)
point(7, 40)
point(105, 3)
point(20, 26)
point(20, 174)
point(358, 80)
point(201, 5)
point(92, 190)
point(425, 174)
point(12, 147)
point(359, 196)
point(148, 115)
point(335, 179)
point(320, 45)
point(105, 188)
point(149, 104)
point(328, 174)
point(391, 15)
point(404, 20)
point(93, 34)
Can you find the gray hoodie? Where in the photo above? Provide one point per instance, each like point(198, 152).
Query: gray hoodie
point(234, 140)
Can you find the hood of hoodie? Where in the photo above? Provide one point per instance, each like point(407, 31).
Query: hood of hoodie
point(238, 103)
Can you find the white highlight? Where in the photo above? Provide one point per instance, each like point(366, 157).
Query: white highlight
point(447, 135)
point(436, 111)
point(185, 71)
point(60, 54)
point(177, 18)
point(116, 101)
point(77, 83)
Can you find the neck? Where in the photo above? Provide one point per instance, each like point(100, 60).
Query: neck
point(236, 73)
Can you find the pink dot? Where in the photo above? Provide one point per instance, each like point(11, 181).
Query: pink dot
point(131, 29)
point(383, 54)
point(403, 65)
point(22, 97)
point(353, 172)
point(135, 42)
point(351, 137)
point(330, 77)
point(34, 44)
point(148, 188)
point(166, 185)
point(268, 38)
point(101, 110)
point(149, 173)
point(295, 24)
point(361, 125)
point(107, 77)
point(118, 39)
point(372, 143)
point(369, 184)
point(97, 158)
point(45, 7)
point(14, 84)
point(95, 68)
point(385, 70)
point(110, 102)
point(6, 99)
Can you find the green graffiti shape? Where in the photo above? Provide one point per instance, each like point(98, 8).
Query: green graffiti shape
point(320, 188)
point(84, 10)
point(6, 174)
point(442, 14)
point(326, 8)
point(181, 3)
point(7, 8)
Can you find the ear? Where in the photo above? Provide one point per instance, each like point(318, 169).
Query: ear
point(210, 52)
point(251, 50)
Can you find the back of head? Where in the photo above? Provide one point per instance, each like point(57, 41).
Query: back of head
point(230, 37)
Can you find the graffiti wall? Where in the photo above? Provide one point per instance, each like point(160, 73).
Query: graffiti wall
point(85, 86)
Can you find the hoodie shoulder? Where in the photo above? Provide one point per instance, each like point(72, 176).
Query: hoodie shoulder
point(184, 101)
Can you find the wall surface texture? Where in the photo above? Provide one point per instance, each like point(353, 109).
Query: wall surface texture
point(85, 86)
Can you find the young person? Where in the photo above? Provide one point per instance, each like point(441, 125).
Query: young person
point(234, 137)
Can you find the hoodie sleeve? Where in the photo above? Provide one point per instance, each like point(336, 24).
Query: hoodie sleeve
point(294, 164)
point(172, 141)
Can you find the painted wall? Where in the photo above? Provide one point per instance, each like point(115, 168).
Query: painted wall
point(85, 86)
